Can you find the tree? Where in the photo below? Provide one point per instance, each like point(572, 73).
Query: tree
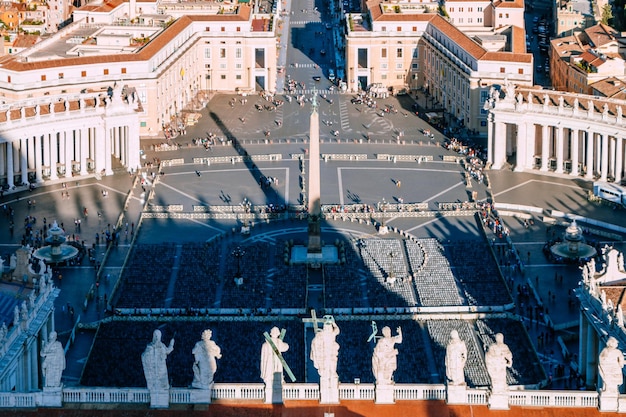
point(607, 14)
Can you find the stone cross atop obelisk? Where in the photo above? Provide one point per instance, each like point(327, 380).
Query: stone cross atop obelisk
point(315, 209)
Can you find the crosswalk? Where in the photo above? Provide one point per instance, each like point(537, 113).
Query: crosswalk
point(305, 22)
point(309, 65)
point(311, 91)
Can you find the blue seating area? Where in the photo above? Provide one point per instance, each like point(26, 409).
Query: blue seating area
point(145, 278)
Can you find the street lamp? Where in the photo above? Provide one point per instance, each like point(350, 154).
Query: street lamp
point(238, 253)
point(382, 207)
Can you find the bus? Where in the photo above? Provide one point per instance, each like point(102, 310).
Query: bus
point(612, 192)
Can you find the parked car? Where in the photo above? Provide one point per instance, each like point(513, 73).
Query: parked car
point(317, 78)
point(331, 75)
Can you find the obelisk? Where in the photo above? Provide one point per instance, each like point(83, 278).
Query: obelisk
point(315, 208)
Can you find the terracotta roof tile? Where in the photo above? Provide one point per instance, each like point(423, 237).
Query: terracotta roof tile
point(508, 4)
point(458, 37)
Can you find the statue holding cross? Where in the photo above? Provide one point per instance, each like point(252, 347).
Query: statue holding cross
point(273, 364)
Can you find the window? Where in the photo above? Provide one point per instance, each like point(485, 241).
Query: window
point(460, 10)
point(470, 9)
point(451, 9)
point(143, 124)
point(506, 15)
point(207, 53)
point(222, 66)
point(399, 53)
point(400, 77)
point(470, 20)
point(106, 71)
point(8, 78)
point(502, 70)
point(238, 29)
point(222, 52)
point(207, 29)
point(383, 53)
point(415, 66)
point(500, 15)
point(383, 76)
point(238, 76)
point(238, 65)
point(520, 70)
point(414, 28)
point(238, 53)
point(60, 76)
point(384, 28)
point(383, 65)
point(43, 77)
point(399, 29)
point(479, 20)
point(123, 70)
point(416, 53)
point(480, 9)
point(83, 73)
point(399, 65)
point(223, 29)
point(223, 76)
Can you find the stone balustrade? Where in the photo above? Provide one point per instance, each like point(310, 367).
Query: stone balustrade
point(255, 392)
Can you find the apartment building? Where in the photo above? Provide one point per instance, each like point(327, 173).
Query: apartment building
point(586, 57)
point(409, 48)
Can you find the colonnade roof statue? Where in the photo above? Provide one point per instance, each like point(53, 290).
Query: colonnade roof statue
point(53, 364)
point(456, 357)
point(205, 352)
point(384, 358)
point(610, 364)
point(154, 363)
point(498, 359)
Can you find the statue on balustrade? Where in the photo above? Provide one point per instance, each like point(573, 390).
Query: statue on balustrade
point(154, 361)
point(206, 352)
point(610, 367)
point(384, 359)
point(270, 361)
point(456, 357)
point(53, 364)
point(498, 358)
point(325, 350)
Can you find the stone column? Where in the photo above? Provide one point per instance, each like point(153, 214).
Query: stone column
point(10, 163)
point(38, 173)
point(589, 163)
point(46, 150)
point(604, 168)
point(107, 152)
point(3, 155)
point(490, 139)
point(24, 160)
point(314, 205)
point(68, 138)
point(133, 146)
point(574, 149)
point(30, 154)
point(619, 158)
point(54, 157)
point(545, 148)
point(499, 145)
point(521, 159)
point(84, 150)
point(559, 150)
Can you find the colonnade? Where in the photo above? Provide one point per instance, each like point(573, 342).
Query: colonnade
point(61, 145)
point(553, 131)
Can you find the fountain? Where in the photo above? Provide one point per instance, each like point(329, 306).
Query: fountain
point(56, 251)
point(573, 247)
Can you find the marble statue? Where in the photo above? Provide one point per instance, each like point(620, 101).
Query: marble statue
point(16, 316)
point(610, 366)
point(603, 299)
point(456, 357)
point(4, 331)
point(53, 364)
point(497, 359)
point(325, 350)
point(270, 362)
point(13, 261)
point(206, 352)
point(620, 316)
point(31, 299)
point(154, 362)
point(384, 359)
point(24, 313)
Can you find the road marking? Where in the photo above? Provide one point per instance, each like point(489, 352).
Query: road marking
point(444, 191)
point(538, 181)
